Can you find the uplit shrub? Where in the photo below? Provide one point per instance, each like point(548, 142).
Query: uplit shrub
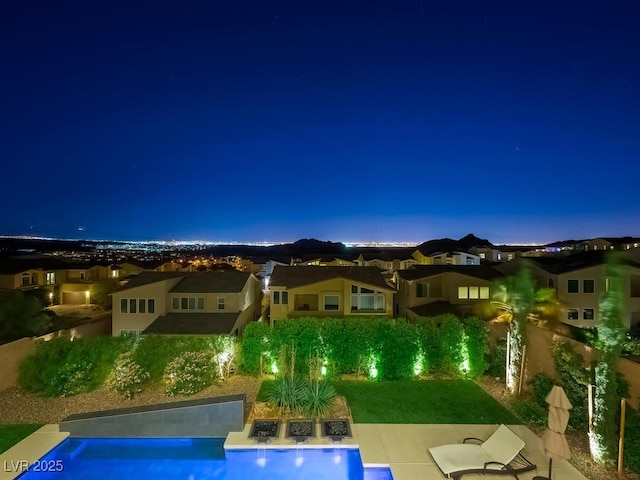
point(188, 374)
point(541, 385)
point(498, 363)
point(71, 379)
point(127, 377)
point(255, 344)
point(477, 346)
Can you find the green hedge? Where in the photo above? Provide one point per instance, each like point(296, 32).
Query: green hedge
point(381, 348)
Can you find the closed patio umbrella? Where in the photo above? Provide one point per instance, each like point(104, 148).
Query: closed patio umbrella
point(554, 440)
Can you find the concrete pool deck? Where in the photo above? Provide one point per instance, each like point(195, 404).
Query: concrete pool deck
point(401, 447)
point(404, 448)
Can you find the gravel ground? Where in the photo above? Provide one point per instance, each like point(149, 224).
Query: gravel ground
point(578, 442)
point(19, 407)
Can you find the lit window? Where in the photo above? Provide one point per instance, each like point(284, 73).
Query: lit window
point(365, 299)
point(331, 302)
point(484, 293)
point(573, 314)
point(573, 286)
point(474, 293)
point(588, 314)
point(51, 278)
point(463, 292)
point(220, 303)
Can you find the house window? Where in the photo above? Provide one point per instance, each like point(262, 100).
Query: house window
point(187, 303)
point(573, 286)
point(474, 293)
point(276, 298)
point(365, 299)
point(550, 283)
point(151, 305)
point(588, 314)
point(27, 279)
point(82, 275)
point(484, 293)
point(331, 302)
point(588, 286)
point(285, 298)
point(132, 305)
point(573, 314)
point(51, 278)
point(422, 290)
point(482, 255)
point(124, 304)
point(463, 292)
point(142, 305)
point(220, 303)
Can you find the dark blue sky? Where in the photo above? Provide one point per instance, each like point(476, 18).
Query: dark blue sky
point(378, 120)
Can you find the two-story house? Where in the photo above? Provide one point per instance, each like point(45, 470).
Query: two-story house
point(427, 291)
point(186, 303)
point(580, 280)
point(329, 292)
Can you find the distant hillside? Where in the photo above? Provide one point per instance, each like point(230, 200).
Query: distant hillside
point(449, 245)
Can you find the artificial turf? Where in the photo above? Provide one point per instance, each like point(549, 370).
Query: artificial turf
point(10, 434)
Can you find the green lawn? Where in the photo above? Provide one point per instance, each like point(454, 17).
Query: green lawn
point(416, 401)
point(427, 401)
point(12, 434)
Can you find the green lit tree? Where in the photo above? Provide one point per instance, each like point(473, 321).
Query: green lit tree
point(517, 301)
point(611, 333)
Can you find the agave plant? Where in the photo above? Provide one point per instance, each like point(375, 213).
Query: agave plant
point(287, 393)
point(319, 396)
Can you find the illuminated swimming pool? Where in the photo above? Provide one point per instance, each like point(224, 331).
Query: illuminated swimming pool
point(194, 459)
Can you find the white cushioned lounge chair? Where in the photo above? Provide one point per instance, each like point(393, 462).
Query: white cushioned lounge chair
point(500, 454)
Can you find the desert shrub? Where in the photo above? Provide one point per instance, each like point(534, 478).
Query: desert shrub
point(71, 378)
point(188, 374)
point(541, 385)
point(154, 352)
point(498, 363)
point(399, 349)
point(60, 367)
point(287, 393)
point(476, 337)
point(574, 377)
point(317, 398)
point(530, 412)
point(127, 377)
point(451, 335)
point(255, 345)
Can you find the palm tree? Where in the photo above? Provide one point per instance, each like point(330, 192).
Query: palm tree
point(517, 302)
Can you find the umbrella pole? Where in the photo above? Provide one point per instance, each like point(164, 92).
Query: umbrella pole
point(550, 461)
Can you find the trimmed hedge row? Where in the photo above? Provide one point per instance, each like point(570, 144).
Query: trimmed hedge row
point(381, 348)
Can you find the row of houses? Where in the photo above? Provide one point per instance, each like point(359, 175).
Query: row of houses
point(216, 302)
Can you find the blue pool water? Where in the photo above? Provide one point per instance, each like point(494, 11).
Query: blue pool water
point(195, 459)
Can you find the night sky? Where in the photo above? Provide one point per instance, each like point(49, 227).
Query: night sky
point(347, 121)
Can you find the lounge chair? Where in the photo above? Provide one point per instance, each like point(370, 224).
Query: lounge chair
point(500, 454)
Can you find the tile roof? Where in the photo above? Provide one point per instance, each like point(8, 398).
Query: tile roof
point(292, 277)
point(577, 261)
point(416, 272)
point(193, 324)
point(218, 281)
point(147, 278)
